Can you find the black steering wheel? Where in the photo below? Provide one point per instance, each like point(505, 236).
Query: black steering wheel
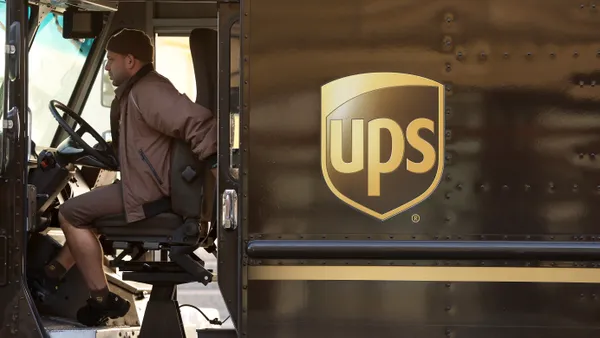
point(107, 158)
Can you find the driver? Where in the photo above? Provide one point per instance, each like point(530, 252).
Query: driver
point(146, 114)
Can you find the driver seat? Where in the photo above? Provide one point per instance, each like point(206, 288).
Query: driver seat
point(180, 225)
point(180, 230)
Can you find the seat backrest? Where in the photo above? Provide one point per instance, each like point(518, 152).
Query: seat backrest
point(187, 172)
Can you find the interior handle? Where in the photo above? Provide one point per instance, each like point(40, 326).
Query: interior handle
point(229, 209)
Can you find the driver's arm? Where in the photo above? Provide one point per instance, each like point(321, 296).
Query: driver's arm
point(174, 114)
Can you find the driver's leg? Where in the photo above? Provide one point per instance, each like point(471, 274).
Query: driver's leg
point(87, 252)
point(75, 217)
point(52, 275)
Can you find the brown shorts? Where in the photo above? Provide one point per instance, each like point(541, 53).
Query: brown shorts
point(82, 210)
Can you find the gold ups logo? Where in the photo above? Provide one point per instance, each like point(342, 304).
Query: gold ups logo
point(382, 140)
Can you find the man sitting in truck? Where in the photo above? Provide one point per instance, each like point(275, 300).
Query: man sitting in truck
point(146, 114)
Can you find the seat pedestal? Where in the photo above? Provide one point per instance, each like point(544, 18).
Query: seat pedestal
point(162, 317)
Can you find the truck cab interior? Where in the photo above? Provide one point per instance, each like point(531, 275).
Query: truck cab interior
point(57, 99)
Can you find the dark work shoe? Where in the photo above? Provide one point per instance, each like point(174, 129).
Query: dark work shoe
point(42, 287)
point(96, 313)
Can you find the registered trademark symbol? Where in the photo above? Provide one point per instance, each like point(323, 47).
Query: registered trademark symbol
point(415, 218)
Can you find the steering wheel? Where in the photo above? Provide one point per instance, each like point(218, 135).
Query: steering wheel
point(108, 159)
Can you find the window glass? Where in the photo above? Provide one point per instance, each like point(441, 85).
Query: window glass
point(2, 36)
point(3, 152)
point(234, 82)
point(54, 67)
point(2, 57)
point(174, 61)
point(234, 96)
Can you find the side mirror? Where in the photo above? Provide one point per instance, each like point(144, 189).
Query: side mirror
point(107, 89)
point(79, 24)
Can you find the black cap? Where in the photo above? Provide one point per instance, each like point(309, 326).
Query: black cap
point(134, 42)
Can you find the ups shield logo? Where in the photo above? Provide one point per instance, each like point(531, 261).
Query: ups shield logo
point(382, 140)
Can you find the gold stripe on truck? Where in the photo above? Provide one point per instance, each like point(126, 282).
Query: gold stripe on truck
point(426, 274)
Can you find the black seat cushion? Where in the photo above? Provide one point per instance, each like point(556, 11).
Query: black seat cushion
point(159, 225)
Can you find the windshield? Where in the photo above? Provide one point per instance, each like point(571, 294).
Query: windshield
point(54, 67)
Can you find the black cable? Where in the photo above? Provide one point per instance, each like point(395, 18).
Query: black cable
point(215, 321)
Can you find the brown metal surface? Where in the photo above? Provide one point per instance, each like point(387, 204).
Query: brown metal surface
point(521, 129)
point(522, 132)
point(421, 309)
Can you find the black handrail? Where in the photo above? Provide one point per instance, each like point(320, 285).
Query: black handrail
point(424, 250)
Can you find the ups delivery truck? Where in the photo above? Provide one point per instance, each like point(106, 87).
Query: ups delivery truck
point(387, 168)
